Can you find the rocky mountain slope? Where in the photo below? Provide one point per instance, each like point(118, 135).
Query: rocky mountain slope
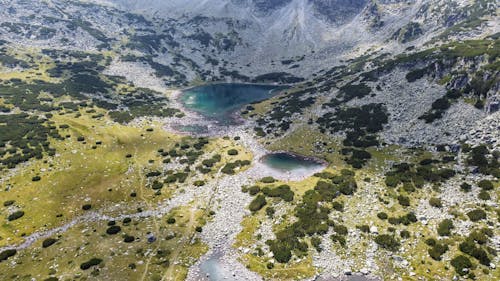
point(105, 174)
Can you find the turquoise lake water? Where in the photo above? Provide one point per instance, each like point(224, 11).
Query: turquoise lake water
point(219, 102)
point(286, 162)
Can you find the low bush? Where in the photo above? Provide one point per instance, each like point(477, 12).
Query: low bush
point(258, 203)
point(16, 215)
point(435, 202)
point(462, 264)
point(437, 251)
point(114, 229)
point(476, 215)
point(445, 227)
point(388, 242)
point(7, 254)
point(48, 242)
point(88, 264)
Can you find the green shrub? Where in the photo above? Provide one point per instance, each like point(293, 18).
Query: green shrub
point(268, 180)
point(232, 152)
point(391, 181)
point(404, 200)
point(465, 187)
point(445, 227)
point(437, 251)
point(387, 242)
point(114, 229)
point(338, 206)
point(282, 253)
point(467, 246)
point(404, 234)
point(430, 242)
point(270, 212)
point(48, 242)
point(171, 220)
point(484, 195)
point(435, 202)
point(340, 229)
point(460, 263)
point(199, 183)
point(382, 216)
point(282, 191)
point(316, 243)
point(16, 215)
point(394, 220)
point(485, 185)
point(7, 254)
point(476, 215)
point(128, 239)
point(258, 203)
point(253, 190)
point(88, 264)
point(363, 228)
point(339, 239)
point(8, 203)
point(481, 256)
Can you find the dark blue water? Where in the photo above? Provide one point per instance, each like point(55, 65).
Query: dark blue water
point(220, 102)
point(286, 162)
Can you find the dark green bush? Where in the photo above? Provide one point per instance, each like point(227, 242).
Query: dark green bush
point(268, 180)
point(476, 215)
point(338, 206)
point(404, 234)
point(340, 229)
point(364, 228)
point(7, 254)
point(257, 203)
point(465, 187)
point(404, 200)
point(16, 215)
point(8, 203)
point(48, 242)
point(114, 229)
point(387, 242)
point(437, 251)
point(128, 239)
point(485, 185)
point(445, 227)
point(382, 216)
point(435, 202)
point(88, 264)
point(484, 195)
point(460, 263)
point(253, 190)
point(270, 212)
point(282, 253)
point(282, 191)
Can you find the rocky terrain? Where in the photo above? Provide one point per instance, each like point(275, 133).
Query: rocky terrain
point(105, 174)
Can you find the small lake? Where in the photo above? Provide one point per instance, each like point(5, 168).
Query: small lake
point(287, 163)
point(220, 102)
